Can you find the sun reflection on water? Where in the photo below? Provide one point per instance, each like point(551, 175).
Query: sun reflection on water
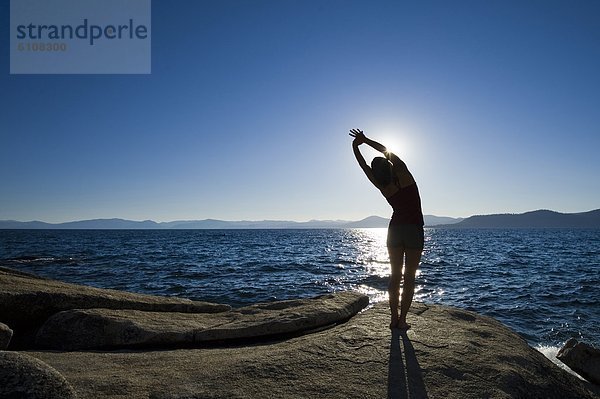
point(372, 255)
point(372, 250)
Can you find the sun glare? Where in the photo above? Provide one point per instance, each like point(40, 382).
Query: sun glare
point(396, 144)
point(394, 135)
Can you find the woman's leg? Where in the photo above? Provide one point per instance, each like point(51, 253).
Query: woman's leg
point(413, 257)
point(396, 259)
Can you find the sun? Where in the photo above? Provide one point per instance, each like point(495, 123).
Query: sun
point(395, 143)
point(398, 138)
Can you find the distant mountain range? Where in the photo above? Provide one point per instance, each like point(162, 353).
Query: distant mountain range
point(534, 219)
point(121, 224)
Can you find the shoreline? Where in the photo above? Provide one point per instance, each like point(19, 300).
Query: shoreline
point(358, 358)
point(449, 352)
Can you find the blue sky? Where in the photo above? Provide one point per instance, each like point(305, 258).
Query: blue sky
point(493, 105)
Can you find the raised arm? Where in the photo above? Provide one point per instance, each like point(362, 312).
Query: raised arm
point(359, 138)
point(377, 146)
point(400, 168)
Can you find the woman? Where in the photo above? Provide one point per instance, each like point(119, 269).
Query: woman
point(405, 232)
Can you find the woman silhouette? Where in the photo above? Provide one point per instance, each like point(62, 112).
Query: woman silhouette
point(405, 232)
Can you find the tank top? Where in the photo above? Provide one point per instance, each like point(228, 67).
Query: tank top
point(406, 204)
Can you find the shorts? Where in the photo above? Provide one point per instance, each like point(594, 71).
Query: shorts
point(409, 236)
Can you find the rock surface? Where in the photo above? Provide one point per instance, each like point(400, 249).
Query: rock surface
point(582, 358)
point(23, 376)
point(26, 301)
point(448, 353)
point(105, 328)
point(5, 336)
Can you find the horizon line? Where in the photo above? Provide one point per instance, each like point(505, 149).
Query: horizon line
point(283, 220)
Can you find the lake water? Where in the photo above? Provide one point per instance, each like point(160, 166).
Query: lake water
point(542, 283)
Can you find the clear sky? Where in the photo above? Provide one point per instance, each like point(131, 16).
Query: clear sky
point(494, 106)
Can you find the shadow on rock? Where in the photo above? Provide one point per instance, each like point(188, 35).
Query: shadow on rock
point(405, 379)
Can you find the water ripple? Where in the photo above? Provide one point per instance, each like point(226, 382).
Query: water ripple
point(542, 283)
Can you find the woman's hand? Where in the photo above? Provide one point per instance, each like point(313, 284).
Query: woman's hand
point(359, 136)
